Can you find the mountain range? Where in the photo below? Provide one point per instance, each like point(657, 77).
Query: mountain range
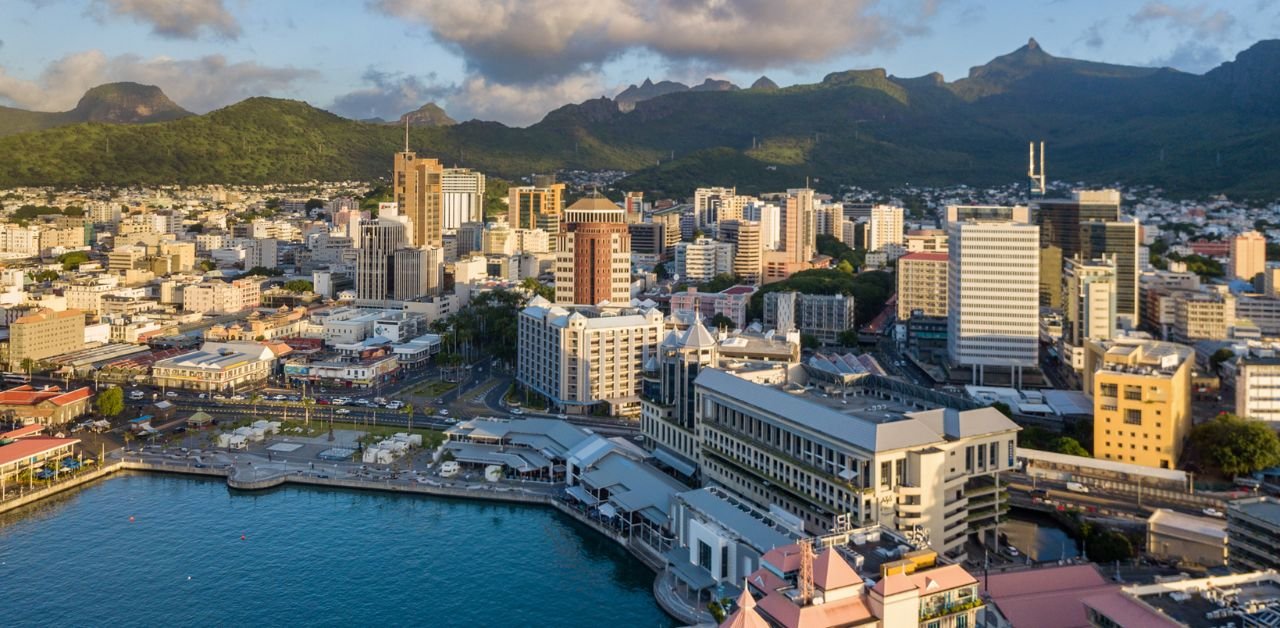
point(120, 103)
point(1190, 134)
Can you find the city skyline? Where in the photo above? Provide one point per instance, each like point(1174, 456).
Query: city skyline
point(513, 62)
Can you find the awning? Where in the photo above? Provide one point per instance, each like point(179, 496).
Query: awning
point(675, 462)
point(607, 510)
point(695, 577)
point(577, 492)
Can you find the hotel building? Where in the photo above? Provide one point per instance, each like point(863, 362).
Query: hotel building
point(1141, 392)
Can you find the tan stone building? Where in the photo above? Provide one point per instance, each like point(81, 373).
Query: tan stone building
point(1141, 391)
point(922, 284)
point(416, 185)
point(45, 334)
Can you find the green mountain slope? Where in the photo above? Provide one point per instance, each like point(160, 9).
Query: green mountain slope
point(1103, 123)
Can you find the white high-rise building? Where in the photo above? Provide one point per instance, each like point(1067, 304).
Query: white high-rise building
point(462, 195)
point(993, 287)
point(770, 218)
point(1089, 305)
point(886, 227)
point(581, 356)
point(701, 260)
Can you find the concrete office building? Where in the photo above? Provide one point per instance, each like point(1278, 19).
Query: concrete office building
point(1141, 391)
point(1253, 534)
point(1089, 306)
point(928, 474)
point(462, 197)
point(536, 206)
point(221, 297)
point(648, 238)
point(593, 255)
point(885, 227)
point(583, 356)
point(1061, 222)
point(1248, 255)
point(927, 240)
point(1117, 241)
point(993, 314)
point(823, 316)
point(418, 272)
point(380, 237)
point(770, 218)
point(1258, 386)
point(748, 248)
point(44, 334)
point(922, 284)
point(416, 187)
point(701, 260)
point(799, 237)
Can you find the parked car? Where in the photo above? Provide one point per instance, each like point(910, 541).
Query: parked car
point(171, 394)
point(343, 411)
point(517, 411)
point(1213, 512)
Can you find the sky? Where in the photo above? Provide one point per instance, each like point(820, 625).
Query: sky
point(515, 60)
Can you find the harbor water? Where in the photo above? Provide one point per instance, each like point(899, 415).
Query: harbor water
point(151, 550)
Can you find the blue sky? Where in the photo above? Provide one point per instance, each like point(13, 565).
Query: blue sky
point(513, 60)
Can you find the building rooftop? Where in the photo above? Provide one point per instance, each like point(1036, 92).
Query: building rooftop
point(48, 315)
point(924, 256)
point(1248, 599)
point(734, 513)
point(1264, 508)
point(1046, 598)
point(26, 395)
point(30, 446)
point(1204, 526)
point(869, 423)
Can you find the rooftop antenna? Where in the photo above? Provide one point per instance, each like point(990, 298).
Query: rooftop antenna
point(406, 135)
point(1037, 176)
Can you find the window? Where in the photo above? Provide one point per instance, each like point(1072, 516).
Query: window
point(704, 555)
point(968, 458)
point(1133, 417)
point(1133, 393)
point(982, 456)
point(1108, 390)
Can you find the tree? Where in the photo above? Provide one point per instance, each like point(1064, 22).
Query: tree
point(407, 411)
point(264, 271)
point(537, 288)
point(848, 338)
point(660, 270)
point(315, 203)
point(207, 265)
point(254, 399)
point(298, 286)
point(72, 260)
point(809, 341)
point(28, 365)
point(1236, 445)
point(845, 267)
point(110, 402)
point(721, 321)
point(45, 275)
point(1220, 356)
point(1069, 446)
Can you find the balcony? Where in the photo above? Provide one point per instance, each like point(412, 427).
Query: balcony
point(934, 612)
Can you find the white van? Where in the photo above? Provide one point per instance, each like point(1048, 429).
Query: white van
point(1076, 487)
point(449, 468)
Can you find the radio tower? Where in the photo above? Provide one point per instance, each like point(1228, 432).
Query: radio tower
point(1037, 176)
point(805, 581)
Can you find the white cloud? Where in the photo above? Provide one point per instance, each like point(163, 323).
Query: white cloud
point(199, 84)
point(174, 19)
point(1195, 19)
point(480, 98)
point(388, 96)
point(528, 41)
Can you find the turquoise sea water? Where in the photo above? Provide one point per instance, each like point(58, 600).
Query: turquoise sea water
point(308, 557)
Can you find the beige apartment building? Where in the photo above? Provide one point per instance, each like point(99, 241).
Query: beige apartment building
point(1248, 255)
point(582, 356)
point(416, 185)
point(45, 334)
point(922, 284)
point(220, 297)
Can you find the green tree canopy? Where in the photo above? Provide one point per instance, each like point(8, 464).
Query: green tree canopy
point(110, 402)
point(264, 272)
point(721, 321)
point(315, 203)
point(71, 260)
point(538, 288)
point(1236, 445)
point(45, 275)
point(298, 286)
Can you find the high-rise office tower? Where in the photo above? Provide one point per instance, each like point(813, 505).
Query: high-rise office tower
point(707, 202)
point(886, 227)
point(745, 236)
point(375, 260)
point(593, 255)
point(462, 196)
point(922, 284)
point(799, 236)
point(416, 272)
point(1060, 223)
point(1248, 255)
point(1117, 241)
point(1089, 305)
point(992, 297)
point(416, 185)
point(536, 206)
point(770, 218)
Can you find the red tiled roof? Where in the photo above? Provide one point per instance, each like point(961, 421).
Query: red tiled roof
point(33, 446)
point(27, 396)
point(1047, 597)
point(24, 431)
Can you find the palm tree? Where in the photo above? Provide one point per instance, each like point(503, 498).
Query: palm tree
point(407, 410)
point(254, 399)
point(307, 404)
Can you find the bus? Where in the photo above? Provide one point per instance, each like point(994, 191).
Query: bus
point(17, 378)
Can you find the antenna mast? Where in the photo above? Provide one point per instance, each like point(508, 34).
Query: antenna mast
point(406, 135)
point(1037, 176)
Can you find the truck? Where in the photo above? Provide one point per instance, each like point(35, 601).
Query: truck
point(1076, 487)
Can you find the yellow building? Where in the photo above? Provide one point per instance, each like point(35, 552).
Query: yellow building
point(1141, 392)
point(1248, 255)
point(417, 186)
point(536, 207)
point(922, 284)
point(45, 334)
